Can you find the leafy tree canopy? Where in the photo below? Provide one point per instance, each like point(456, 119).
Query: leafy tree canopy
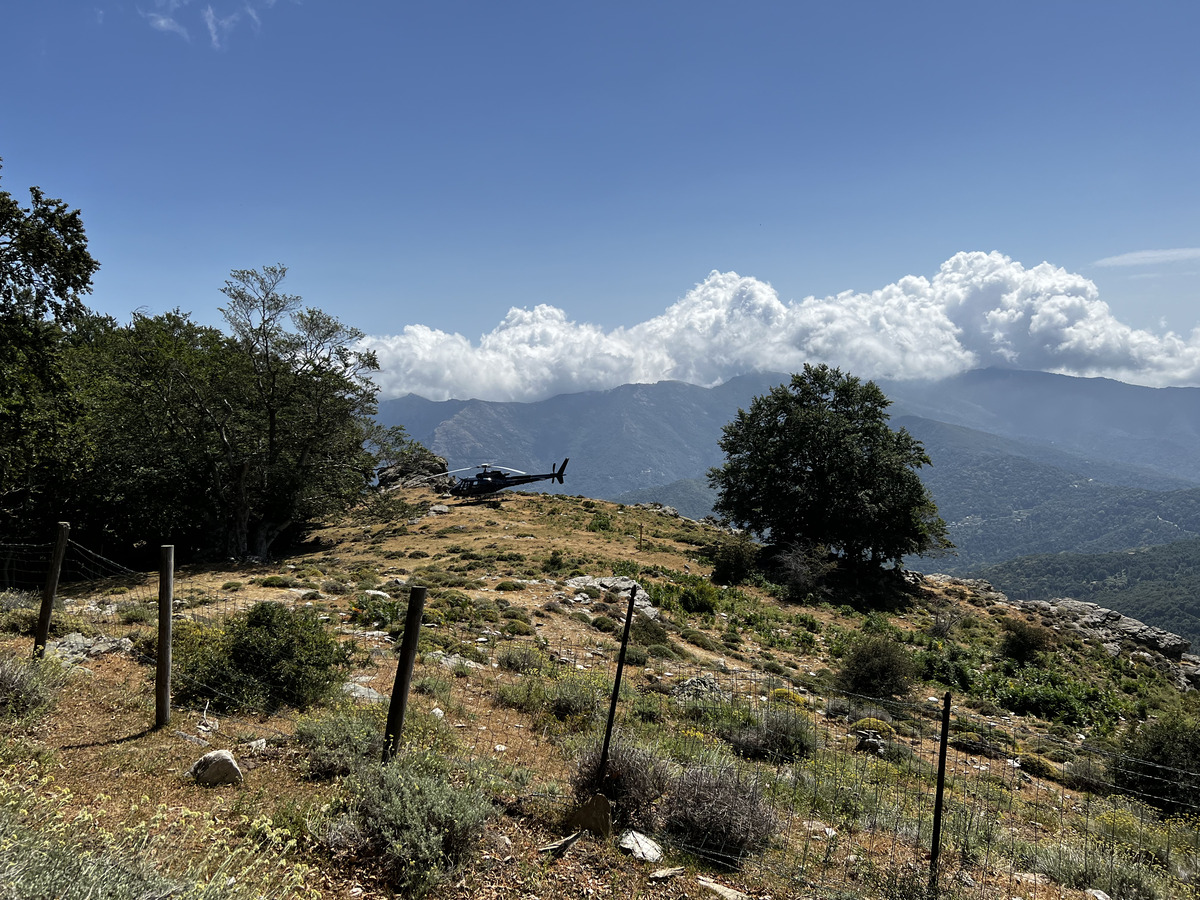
point(228, 441)
point(814, 464)
point(44, 262)
point(44, 268)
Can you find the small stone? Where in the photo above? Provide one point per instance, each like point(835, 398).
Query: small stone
point(664, 874)
point(218, 767)
point(725, 893)
point(640, 846)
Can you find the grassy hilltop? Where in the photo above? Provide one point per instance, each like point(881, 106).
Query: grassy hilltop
point(783, 749)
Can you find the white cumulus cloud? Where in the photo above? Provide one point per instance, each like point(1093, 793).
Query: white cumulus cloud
point(980, 309)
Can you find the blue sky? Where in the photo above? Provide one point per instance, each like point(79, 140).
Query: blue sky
point(430, 166)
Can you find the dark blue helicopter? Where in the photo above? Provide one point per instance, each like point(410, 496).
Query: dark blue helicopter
point(492, 479)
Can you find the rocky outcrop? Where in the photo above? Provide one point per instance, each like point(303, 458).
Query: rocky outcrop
point(418, 467)
point(1107, 626)
point(1115, 631)
point(619, 585)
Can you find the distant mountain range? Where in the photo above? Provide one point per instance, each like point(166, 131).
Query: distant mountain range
point(1023, 462)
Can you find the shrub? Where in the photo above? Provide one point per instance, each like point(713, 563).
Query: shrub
point(507, 585)
point(515, 657)
point(634, 781)
point(781, 735)
point(788, 697)
point(571, 700)
point(700, 639)
point(636, 656)
point(661, 651)
point(518, 628)
point(231, 586)
point(734, 559)
point(28, 687)
point(1161, 761)
point(720, 814)
point(876, 667)
point(646, 631)
point(699, 597)
point(1038, 766)
point(605, 624)
point(339, 740)
point(410, 819)
point(1023, 642)
point(266, 657)
point(601, 521)
point(277, 581)
point(137, 613)
point(882, 728)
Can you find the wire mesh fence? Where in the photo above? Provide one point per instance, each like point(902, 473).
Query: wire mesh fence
point(774, 775)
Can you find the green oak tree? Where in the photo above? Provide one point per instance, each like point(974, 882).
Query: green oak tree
point(814, 464)
point(45, 268)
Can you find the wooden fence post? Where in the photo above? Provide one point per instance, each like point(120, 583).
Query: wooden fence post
point(166, 608)
point(616, 692)
point(51, 590)
point(935, 850)
point(404, 670)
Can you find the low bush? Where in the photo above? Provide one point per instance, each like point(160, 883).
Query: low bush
point(734, 559)
point(277, 581)
point(719, 814)
point(1160, 760)
point(412, 819)
point(1023, 643)
point(522, 658)
point(879, 726)
point(633, 781)
point(28, 687)
point(337, 741)
point(605, 624)
point(780, 735)
point(876, 667)
point(267, 657)
point(699, 597)
point(636, 656)
point(701, 640)
point(646, 631)
point(137, 613)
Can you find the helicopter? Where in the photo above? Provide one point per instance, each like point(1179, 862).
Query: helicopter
point(492, 479)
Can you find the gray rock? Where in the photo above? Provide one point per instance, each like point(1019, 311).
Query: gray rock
point(218, 767)
point(74, 647)
point(640, 846)
point(362, 693)
point(701, 687)
point(620, 585)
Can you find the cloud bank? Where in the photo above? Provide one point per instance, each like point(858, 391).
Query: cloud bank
point(980, 309)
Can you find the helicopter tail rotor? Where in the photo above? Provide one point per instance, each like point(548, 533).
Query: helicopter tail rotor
point(557, 474)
